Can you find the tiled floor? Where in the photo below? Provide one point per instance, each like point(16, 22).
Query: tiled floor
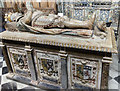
point(114, 73)
point(10, 84)
point(114, 77)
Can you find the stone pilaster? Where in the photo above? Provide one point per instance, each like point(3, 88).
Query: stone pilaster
point(64, 75)
point(31, 63)
point(6, 57)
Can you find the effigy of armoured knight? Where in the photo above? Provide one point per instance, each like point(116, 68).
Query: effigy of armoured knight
point(36, 21)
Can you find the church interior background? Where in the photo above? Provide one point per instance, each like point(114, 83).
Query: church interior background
point(107, 11)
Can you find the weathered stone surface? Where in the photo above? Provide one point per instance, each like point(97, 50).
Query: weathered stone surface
point(11, 86)
point(94, 43)
point(59, 61)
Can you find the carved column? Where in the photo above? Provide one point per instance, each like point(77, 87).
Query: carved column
point(64, 75)
point(31, 63)
point(6, 57)
point(105, 74)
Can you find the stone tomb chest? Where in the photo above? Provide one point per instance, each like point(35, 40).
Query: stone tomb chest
point(58, 61)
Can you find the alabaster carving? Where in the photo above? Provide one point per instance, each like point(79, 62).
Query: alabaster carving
point(58, 61)
point(100, 29)
point(86, 73)
point(19, 61)
point(37, 21)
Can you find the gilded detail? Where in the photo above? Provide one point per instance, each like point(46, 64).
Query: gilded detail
point(84, 72)
point(19, 62)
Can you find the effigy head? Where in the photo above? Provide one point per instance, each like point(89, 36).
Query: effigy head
point(13, 17)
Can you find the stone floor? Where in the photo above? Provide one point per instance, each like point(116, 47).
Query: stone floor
point(114, 77)
point(114, 74)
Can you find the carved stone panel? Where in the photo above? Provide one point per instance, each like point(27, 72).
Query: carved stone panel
point(18, 60)
point(48, 67)
point(85, 73)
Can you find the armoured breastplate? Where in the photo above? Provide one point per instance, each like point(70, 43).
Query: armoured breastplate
point(44, 21)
